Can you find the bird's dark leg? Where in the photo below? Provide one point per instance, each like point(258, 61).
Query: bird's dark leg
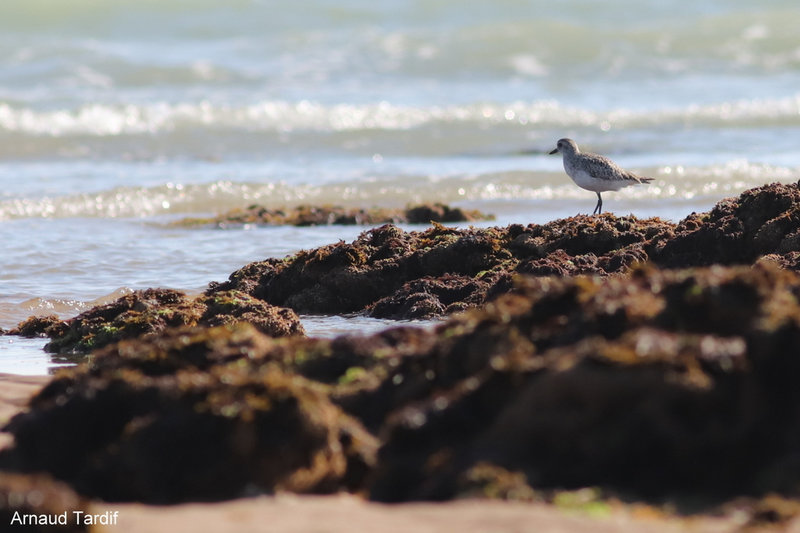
point(599, 207)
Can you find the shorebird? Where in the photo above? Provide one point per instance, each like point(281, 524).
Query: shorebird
point(594, 172)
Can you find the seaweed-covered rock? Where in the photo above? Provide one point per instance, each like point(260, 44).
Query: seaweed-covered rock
point(440, 270)
point(655, 384)
point(397, 274)
point(761, 221)
point(652, 384)
point(151, 311)
point(307, 215)
point(584, 234)
point(232, 307)
point(39, 326)
point(184, 417)
point(649, 383)
point(430, 297)
point(427, 213)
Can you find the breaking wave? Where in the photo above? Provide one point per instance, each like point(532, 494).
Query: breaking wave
point(672, 182)
point(282, 116)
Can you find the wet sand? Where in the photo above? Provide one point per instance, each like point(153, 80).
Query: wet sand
point(347, 514)
point(14, 394)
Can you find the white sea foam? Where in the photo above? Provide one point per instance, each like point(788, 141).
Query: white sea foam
point(283, 116)
point(671, 182)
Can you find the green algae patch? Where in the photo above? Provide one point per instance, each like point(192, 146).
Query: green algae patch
point(588, 501)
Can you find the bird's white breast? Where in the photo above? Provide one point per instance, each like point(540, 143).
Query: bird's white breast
point(585, 181)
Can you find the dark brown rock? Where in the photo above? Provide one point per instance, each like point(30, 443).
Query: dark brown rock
point(584, 234)
point(431, 297)
point(392, 273)
point(186, 418)
point(39, 326)
point(343, 278)
point(306, 215)
point(761, 221)
point(652, 384)
point(152, 311)
point(427, 213)
point(233, 307)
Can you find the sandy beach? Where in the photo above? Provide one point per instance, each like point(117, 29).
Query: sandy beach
point(14, 394)
point(345, 513)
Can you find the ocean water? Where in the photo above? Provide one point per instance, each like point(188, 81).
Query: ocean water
point(119, 116)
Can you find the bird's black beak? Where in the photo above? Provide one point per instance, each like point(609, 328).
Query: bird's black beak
point(554, 151)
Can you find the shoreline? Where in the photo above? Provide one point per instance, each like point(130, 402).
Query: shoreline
point(389, 273)
point(585, 385)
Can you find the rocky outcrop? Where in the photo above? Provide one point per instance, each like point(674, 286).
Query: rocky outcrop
point(390, 273)
point(179, 417)
point(152, 311)
point(306, 215)
point(759, 222)
point(653, 384)
point(398, 274)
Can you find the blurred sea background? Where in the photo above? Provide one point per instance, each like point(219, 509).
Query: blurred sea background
point(119, 116)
